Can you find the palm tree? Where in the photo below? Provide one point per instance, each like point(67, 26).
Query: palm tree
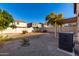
point(59, 20)
point(55, 20)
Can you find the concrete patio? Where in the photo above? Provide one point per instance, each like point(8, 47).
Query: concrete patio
point(43, 45)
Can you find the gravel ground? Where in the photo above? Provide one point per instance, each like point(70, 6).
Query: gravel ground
point(43, 45)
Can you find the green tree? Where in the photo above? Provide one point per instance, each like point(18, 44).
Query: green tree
point(5, 19)
point(55, 20)
point(13, 26)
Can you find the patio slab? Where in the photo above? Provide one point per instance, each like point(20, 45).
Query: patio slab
point(44, 45)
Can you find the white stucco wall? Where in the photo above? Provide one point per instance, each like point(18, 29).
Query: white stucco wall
point(21, 24)
point(16, 30)
point(39, 25)
point(46, 26)
point(29, 29)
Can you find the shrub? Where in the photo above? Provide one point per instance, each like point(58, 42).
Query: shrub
point(44, 31)
point(25, 42)
point(4, 37)
point(24, 32)
point(13, 26)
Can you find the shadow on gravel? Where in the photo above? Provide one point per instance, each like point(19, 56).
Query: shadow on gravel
point(76, 48)
point(76, 52)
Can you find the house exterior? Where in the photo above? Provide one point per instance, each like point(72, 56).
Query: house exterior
point(45, 25)
point(69, 24)
point(74, 21)
point(70, 21)
point(20, 26)
point(34, 25)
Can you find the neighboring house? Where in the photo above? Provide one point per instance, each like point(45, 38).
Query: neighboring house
point(20, 26)
point(34, 25)
point(45, 25)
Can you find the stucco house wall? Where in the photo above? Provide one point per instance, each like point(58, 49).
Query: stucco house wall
point(34, 25)
point(21, 24)
point(20, 27)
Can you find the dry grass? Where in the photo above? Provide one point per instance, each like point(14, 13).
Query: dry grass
point(22, 36)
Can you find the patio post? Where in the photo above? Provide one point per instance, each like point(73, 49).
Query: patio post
point(78, 26)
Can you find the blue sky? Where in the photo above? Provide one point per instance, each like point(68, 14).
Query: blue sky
point(36, 12)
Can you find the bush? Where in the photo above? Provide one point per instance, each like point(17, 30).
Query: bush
point(37, 30)
point(25, 42)
point(44, 31)
point(4, 37)
point(24, 32)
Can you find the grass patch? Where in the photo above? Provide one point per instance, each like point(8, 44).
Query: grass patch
point(4, 38)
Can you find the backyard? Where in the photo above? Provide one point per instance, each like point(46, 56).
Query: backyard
point(41, 44)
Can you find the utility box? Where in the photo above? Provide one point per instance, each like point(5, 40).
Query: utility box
point(66, 41)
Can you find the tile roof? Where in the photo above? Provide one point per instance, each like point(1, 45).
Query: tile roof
point(19, 21)
point(69, 20)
